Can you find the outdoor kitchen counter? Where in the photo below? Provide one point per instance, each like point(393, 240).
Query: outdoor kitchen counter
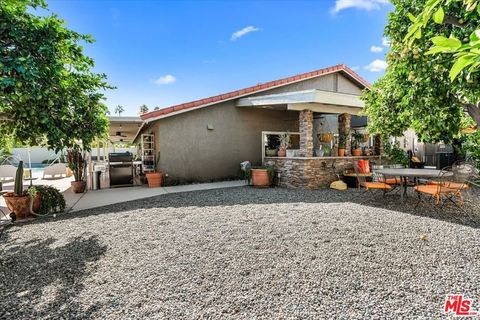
point(310, 172)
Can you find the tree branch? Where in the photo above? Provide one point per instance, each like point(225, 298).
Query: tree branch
point(474, 112)
point(454, 21)
point(5, 117)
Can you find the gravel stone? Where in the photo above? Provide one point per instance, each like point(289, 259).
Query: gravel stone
point(243, 253)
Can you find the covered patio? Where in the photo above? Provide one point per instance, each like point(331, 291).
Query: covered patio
point(305, 169)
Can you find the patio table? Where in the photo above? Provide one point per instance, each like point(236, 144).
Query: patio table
point(404, 174)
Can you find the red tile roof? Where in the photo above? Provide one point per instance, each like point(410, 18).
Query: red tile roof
point(259, 87)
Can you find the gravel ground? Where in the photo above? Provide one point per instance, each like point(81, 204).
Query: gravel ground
point(242, 253)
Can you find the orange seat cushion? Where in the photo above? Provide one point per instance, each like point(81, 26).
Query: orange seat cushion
point(433, 189)
point(391, 180)
point(450, 184)
point(377, 185)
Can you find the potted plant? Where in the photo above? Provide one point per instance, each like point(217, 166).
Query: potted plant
point(325, 137)
point(260, 177)
point(357, 138)
point(272, 146)
point(284, 144)
point(77, 165)
point(342, 143)
point(18, 201)
point(155, 178)
point(46, 200)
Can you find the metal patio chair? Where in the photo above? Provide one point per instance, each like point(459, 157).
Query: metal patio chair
point(447, 187)
point(370, 187)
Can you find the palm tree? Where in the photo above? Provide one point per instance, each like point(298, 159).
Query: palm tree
point(119, 109)
point(143, 109)
point(156, 108)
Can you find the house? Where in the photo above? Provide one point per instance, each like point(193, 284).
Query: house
point(206, 139)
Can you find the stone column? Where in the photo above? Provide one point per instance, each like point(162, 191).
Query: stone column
point(306, 133)
point(344, 128)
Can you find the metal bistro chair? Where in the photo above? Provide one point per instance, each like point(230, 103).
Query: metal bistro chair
point(445, 188)
point(370, 187)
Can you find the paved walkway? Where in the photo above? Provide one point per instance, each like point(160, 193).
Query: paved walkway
point(103, 197)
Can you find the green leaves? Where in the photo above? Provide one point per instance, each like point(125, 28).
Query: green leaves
point(442, 41)
point(439, 15)
point(47, 85)
point(460, 64)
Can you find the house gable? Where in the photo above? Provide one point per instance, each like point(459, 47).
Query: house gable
point(323, 78)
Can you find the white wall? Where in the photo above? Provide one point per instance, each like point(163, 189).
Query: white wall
point(39, 154)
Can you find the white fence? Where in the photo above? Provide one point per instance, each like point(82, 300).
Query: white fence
point(39, 154)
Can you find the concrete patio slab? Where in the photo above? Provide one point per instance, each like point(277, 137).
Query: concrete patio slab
point(103, 197)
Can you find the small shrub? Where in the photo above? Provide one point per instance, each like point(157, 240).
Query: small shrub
point(53, 200)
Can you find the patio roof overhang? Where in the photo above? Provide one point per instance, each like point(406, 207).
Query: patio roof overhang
point(123, 129)
point(315, 100)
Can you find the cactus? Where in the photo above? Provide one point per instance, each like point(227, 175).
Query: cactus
point(19, 179)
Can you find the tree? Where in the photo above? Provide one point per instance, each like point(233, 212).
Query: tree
point(48, 91)
point(119, 109)
point(143, 109)
point(416, 91)
point(156, 108)
point(465, 55)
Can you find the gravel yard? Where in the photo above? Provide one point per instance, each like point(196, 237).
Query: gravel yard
point(242, 253)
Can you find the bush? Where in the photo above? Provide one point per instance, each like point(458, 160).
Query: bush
point(53, 200)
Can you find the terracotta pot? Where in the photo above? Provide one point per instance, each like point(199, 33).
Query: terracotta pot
point(154, 179)
point(18, 204)
point(260, 178)
point(357, 152)
point(282, 153)
point(78, 186)
point(341, 152)
point(37, 202)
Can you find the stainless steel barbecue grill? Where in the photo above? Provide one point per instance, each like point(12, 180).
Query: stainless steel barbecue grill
point(120, 169)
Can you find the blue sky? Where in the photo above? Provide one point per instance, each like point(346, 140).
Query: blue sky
point(161, 53)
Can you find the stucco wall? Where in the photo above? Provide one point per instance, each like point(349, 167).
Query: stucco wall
point(191, 152)
point(347, 86)
point(332, 82)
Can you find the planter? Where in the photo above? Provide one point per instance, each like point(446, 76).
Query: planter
point(271, 152)
point(37, 202)
point(325, 137)
point(154, 179)
point(292, 152)
point(341, 152)
point(357, 152)
point(282, 152)
point(260, 178)
point(319, 153)
point(18, 204)
point(78, 186)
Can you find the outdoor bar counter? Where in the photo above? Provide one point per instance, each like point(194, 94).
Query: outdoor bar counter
point(311, 172)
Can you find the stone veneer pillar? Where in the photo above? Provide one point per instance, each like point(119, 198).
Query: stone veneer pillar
point(344, 120)
point(306, 133)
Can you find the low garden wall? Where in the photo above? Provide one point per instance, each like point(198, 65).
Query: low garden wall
point(310, 172)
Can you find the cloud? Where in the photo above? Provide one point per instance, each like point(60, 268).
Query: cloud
point(376, 66)
point(240, 33)
point(166, 79)
point(376, 49)
point(385, 42)
point(368, 5)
